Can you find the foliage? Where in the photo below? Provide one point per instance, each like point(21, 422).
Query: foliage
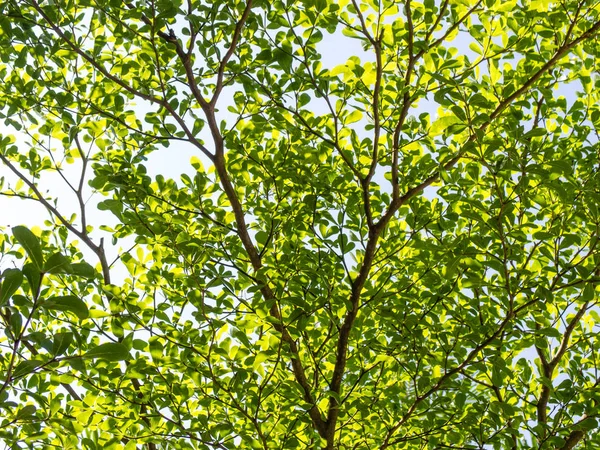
point(399, 250)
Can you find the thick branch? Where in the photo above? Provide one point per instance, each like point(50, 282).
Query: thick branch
point(573, 440)
point(240, 218)
point(239, 26)
point(357, 286)
point(550, 366)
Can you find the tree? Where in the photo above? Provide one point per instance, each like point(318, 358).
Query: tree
point(397, 251)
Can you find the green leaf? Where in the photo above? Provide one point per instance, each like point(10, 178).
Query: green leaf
point(26, 412)
point(16, 323)
point(588, 292)
point(61, 343)
point(534, 132)
point(34, 277)
point(283, 58)
point(67, 303)
point(353, 117)
point(109, 351)
point(589, 423)
point(264, 55)
point(58, 263)
point(26, 367)
point(11, 281)
point(443, 123)
point(83, 269)
point(31, 244)
point(157, 348)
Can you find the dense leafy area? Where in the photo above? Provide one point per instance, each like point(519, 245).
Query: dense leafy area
point(395, 250)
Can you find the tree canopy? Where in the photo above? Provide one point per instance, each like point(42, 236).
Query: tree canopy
point(384, 233)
